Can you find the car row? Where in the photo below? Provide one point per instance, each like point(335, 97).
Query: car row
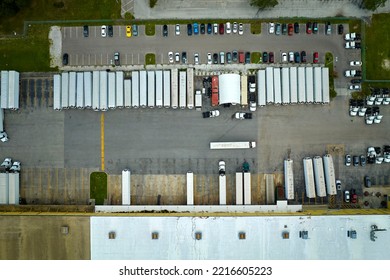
point(350, 196)
point(212, 28)
point(379, 96)
point(298, 57)
point(213, 58)
point(290, 28)
point(108, 30)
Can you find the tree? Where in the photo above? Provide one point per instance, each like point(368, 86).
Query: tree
point(9, 8)
point(372, 5)
point(264, 4)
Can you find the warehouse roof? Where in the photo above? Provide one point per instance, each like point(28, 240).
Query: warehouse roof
point(229, 89)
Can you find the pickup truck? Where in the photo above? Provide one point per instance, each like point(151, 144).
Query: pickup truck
point(353, 73)
point(243, 116)
point(210, 114)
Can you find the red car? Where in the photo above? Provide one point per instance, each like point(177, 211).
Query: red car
point(315, 57)
point(308, 28)
point(290, 29)
point(271, 57)
point(221, 28)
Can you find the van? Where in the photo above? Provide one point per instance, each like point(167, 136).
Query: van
point(222, 58)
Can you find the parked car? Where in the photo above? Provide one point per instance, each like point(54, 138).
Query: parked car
point(189, 29)
point(353, 196)
point(196, 58)
point(303, 56)
point(315, 57)
point(202, 28)
point(235, 56)
point(362, 160)
point(355, 63)
point(222, 57)
point(209, 28)
point(346, 196)
point(356, 161)
point(291, 57)
point(340, 29)
point(209, 58)
point(278, 29)
point(297, 57)
point(85, 31)
point(196, 28)
point(356, 81)
point(65, 59)
point(315, 27)
point(284, 28)
point(177, 57)
point(328, 28)
point(165, 30)
point(296, 28)
point(170, 57)
point(184, 57)
point(110, 31)
point(128, 31)
point(265, 57)
point(228, 28)
point(210, 114)
point(221, 168)
point(271, 57)
point(284, 57)
point(117, 59)
point(240, 29)
point(338, 185)
point(290, 29)
point(135, 30)
point(348, 160)
point(247, 57)
point(229, 57)
point(215, 28)
point(355, 87)
point(103, 31)
point(221, 29)
point(367, 181)
point(308, 27)
point(235, 27)
point(177, 29)
point(215, 58)
point(271, 28)
point(243, 116)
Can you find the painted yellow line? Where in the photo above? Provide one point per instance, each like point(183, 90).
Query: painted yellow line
point(102, 140)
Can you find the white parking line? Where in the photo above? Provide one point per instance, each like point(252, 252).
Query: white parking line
point(64, 32)
point(119, 31)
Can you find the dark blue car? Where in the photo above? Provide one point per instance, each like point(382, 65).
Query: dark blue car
point(189, 29)
point(209, 28)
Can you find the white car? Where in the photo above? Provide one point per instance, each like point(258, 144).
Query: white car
point(228, 28)
point(284, 57)
point(215, 28)
point(222, 168)
point(354, 87)
point(177, 29)
point(104, 31)
point(170, 57)
point(177, 57)
point(235, 27)
point(355, 63)
point(271, 28)
point(209, 59)
point(291, 57)
point(338, 185)
point(240, 28)
point(196, 58)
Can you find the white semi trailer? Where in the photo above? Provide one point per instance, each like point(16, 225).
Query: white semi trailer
point(159, 89)
point(119, 89)
point(126, 189)
point(72, 89)
point(143, 88)
point(167, 88)
point(247, 188)
point(301, 85)
point(182, 89)
point(288, 179)
point(244, 90)
point(277, 87)
point(127, 85)
point(175, 88)
point(4, 89)
point(190, 88)
point(232, 145)
point(222, 189)
point(330, 178)
point(3, 134)
point(57, 92)
point(190, 188)
point(4, 187)
point(269, 74)
point(103, 105)
point(111, 90)
point(13, 90)
point(325, 85)
point(151, 89)
point(285, 86)
point(309, 85)
point(135, 89)
point(95, 90)
point(239, 188)
point(309, 177)
point(13, 191)
point(317, 85)
point(80, 90)
point(65, 90)
point(319, 176)
point(261, 88)
point(293, 85)
point(88, 90)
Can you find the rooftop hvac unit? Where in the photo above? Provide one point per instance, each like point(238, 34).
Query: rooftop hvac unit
point(65, 230)
point(242, 235)
point(352, 234)
point(198, 235)
point(154, 235)
point(304, 234)
point(286, 235)
point(111, 235)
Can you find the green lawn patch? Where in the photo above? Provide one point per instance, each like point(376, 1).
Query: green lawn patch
point(255, 57)
point(377, 50)
point(150, 59)
point(332, 74)
point(98, 187)
point(30, 53)
point(150, 29)
point(256, 27)
point(61, 10)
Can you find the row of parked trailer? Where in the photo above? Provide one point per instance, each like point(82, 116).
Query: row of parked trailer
point(292, 85)
point(9, 182)
point(102, 90)
point(9, 90)
point(319, 176)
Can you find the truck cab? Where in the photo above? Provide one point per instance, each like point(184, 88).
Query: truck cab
point(242, 116)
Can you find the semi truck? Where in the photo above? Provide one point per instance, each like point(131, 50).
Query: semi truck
point(175, 88)
point(277, 87)
point(330, 178)
point(301, 85)
point(319, 176)
point(288, 179)
point(3, 134)
point(119, 89)
point(95, 90)
point(127, 88)
point(244, 90)
point(317, 85)
point(135, 89)
point(285, 86)
point(190, 88)
point(182, 89)
point(167, 88)
point(214, 91)
point(72, 89)
point(103, 91)
point(309, 177)
point(309, 85)
point(269, 75)
point(151, 89)
point(198, 100)
point(88, 90)
point(261, 88)
point(143, 86)
point(111, 90)
point(232, 145)
point(159, 89)
point(56, 92)
point(80, 90)
point(222, 182)
point(293, 86)
point(65, 90)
